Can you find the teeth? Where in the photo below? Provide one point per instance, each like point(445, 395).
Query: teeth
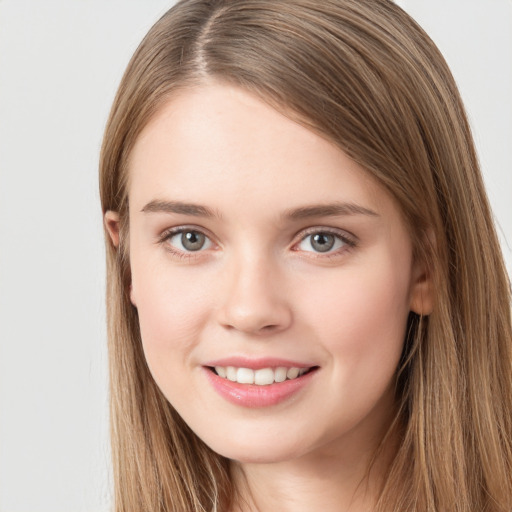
point(245, 376)
point(221, 371)
point(292, 373)
point(231, 373)
point(262, 377)
point(280, 374)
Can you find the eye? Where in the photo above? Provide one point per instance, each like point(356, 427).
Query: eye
point(324, 242)
point(188, 240)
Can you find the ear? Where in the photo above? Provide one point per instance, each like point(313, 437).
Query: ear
point(111, 220)
point(132, 296)
point(422, 293)
point(422, 286)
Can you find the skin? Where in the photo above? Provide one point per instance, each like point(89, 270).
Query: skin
point(259, 288)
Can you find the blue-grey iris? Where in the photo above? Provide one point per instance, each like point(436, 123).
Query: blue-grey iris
point(322, 242)
point(192, 240)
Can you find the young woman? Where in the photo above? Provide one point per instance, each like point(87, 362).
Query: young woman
point(307, 304)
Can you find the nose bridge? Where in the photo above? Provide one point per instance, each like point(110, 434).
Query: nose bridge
point(254, 299)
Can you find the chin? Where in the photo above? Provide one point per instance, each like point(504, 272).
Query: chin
point(261, 450)
point(258, 455)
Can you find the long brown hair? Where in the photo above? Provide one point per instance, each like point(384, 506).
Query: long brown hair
point(364, 75)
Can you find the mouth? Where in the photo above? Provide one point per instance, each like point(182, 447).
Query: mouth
point(261, 376)
point(257, 383)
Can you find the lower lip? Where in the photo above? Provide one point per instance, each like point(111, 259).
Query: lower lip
point(251, 395)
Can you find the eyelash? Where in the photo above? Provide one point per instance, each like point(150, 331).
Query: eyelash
point(349, 241)
point(170, 233)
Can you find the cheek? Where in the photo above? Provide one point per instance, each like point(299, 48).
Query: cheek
point(172, 309)
point(361, 318)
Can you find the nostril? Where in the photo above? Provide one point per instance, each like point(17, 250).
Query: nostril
point(269, 327)
point(266, 329)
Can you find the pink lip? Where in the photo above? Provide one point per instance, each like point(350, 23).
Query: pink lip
point(250, 395)
point(257, 363)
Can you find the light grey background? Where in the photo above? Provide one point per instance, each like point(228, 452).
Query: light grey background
point(60, 63)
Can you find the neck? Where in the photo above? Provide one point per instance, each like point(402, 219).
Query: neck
point(336, 478)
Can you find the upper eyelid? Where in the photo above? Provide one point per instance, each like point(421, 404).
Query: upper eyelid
point(342, 233)
point(189, 227)
point(304, 231)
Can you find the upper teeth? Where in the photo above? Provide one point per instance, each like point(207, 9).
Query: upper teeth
point(262, 377)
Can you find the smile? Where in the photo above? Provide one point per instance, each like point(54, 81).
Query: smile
point(266, 385)
point(260, 377)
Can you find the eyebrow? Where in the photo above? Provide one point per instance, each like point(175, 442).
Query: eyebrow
point(303, 212)
point(158, 206)
point(328, 210)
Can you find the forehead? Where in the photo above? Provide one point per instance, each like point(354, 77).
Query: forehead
point(222, 146)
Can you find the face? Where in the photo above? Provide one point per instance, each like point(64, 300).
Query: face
point(272, 277)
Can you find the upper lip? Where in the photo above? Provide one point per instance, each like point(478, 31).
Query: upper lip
point(258, 363)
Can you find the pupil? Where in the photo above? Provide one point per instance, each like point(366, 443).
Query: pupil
point(322, 242)
point(192, 240)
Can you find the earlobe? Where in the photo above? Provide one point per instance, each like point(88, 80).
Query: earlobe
point(422, 290)
point(132, 296)
point(422, 295)
point(111, 220)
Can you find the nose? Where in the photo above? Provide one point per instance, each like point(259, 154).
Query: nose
point(254, 298)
